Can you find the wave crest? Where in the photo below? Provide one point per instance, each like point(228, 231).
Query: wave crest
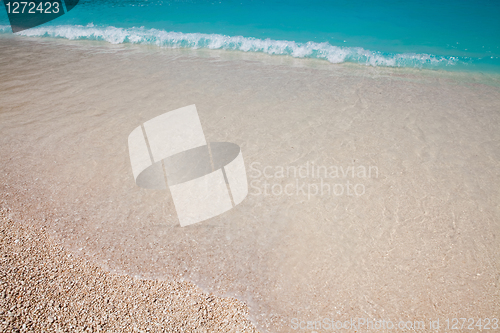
point(161, 38)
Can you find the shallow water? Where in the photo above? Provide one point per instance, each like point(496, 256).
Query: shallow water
point(451, 35)
point(413, 235)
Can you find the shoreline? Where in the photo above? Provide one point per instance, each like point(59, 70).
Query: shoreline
point(47, 289)
point(421, 243)
point(462, 75)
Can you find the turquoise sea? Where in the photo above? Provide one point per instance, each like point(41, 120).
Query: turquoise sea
point(452, 35)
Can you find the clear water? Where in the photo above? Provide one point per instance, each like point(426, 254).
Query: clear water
point(420, 243)
point(452, 35)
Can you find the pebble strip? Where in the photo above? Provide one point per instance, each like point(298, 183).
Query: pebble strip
point(43, 288)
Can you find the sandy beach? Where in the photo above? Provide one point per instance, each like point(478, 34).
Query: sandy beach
point(46, 289)
point(413, 236)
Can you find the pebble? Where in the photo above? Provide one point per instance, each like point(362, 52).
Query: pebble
point(83, 297)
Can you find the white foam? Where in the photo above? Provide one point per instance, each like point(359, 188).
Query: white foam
point(161, 38)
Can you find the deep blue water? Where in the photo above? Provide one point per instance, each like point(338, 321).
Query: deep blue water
point(454, 35)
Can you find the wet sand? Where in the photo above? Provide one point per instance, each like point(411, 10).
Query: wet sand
point(46, 289)
point(420, 242)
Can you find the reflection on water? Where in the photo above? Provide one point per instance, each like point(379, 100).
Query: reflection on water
point(420, 242)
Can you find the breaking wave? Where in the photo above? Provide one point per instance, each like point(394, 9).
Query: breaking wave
point(161, 38)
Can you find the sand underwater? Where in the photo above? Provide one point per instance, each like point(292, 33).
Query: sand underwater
point(413, 236)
